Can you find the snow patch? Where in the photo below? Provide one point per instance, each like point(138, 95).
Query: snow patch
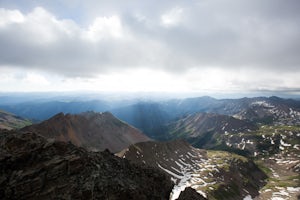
point(248, 197)
point(169, 172)
point(284, 144)
point(174, 180)
point(293, 189)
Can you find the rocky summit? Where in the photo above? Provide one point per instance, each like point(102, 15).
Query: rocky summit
point(32, 167)
point(94, 131)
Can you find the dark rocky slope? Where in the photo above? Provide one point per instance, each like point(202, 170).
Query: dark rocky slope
point(94, 131)
point(32, 167)
point(190, 194)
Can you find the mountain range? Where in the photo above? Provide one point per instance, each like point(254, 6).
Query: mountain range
point(152, 117)
point(208, 148)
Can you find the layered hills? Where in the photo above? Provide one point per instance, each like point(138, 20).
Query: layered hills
point(32, 167)
point(94, 131)
point(42, 109)
point(152, 117)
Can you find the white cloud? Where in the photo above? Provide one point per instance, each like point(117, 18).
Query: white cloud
point(172, 17)
point(10, 16)
point(105, 28)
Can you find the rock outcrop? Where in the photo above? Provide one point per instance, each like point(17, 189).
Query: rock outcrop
point(190, 194)
point(32, 167)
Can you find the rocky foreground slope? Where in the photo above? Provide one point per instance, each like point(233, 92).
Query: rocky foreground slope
point(91, 130)
point(213, 174)
point(32, 167)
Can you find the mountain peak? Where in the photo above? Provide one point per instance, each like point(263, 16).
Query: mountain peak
point(95, 131)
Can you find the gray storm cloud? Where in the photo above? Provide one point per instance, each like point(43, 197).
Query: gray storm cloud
point(172, 36)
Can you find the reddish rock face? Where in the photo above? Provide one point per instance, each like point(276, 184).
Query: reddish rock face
point(33, 168)
point(94, 131)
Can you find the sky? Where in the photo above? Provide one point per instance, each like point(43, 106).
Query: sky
point(217, 46)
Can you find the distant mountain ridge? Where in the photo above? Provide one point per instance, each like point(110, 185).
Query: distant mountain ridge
point(94, 131)
point(151, 117)
point(263, 110)
point(46, 109)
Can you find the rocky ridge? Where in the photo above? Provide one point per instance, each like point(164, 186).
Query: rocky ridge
point(32, 167)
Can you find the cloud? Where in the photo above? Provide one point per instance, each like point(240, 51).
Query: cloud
point(105, 27)
point(92, 39)
point(172, 17)
point(10, 16)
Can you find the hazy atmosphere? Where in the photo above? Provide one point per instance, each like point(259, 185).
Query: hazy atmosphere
point(151, 46)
